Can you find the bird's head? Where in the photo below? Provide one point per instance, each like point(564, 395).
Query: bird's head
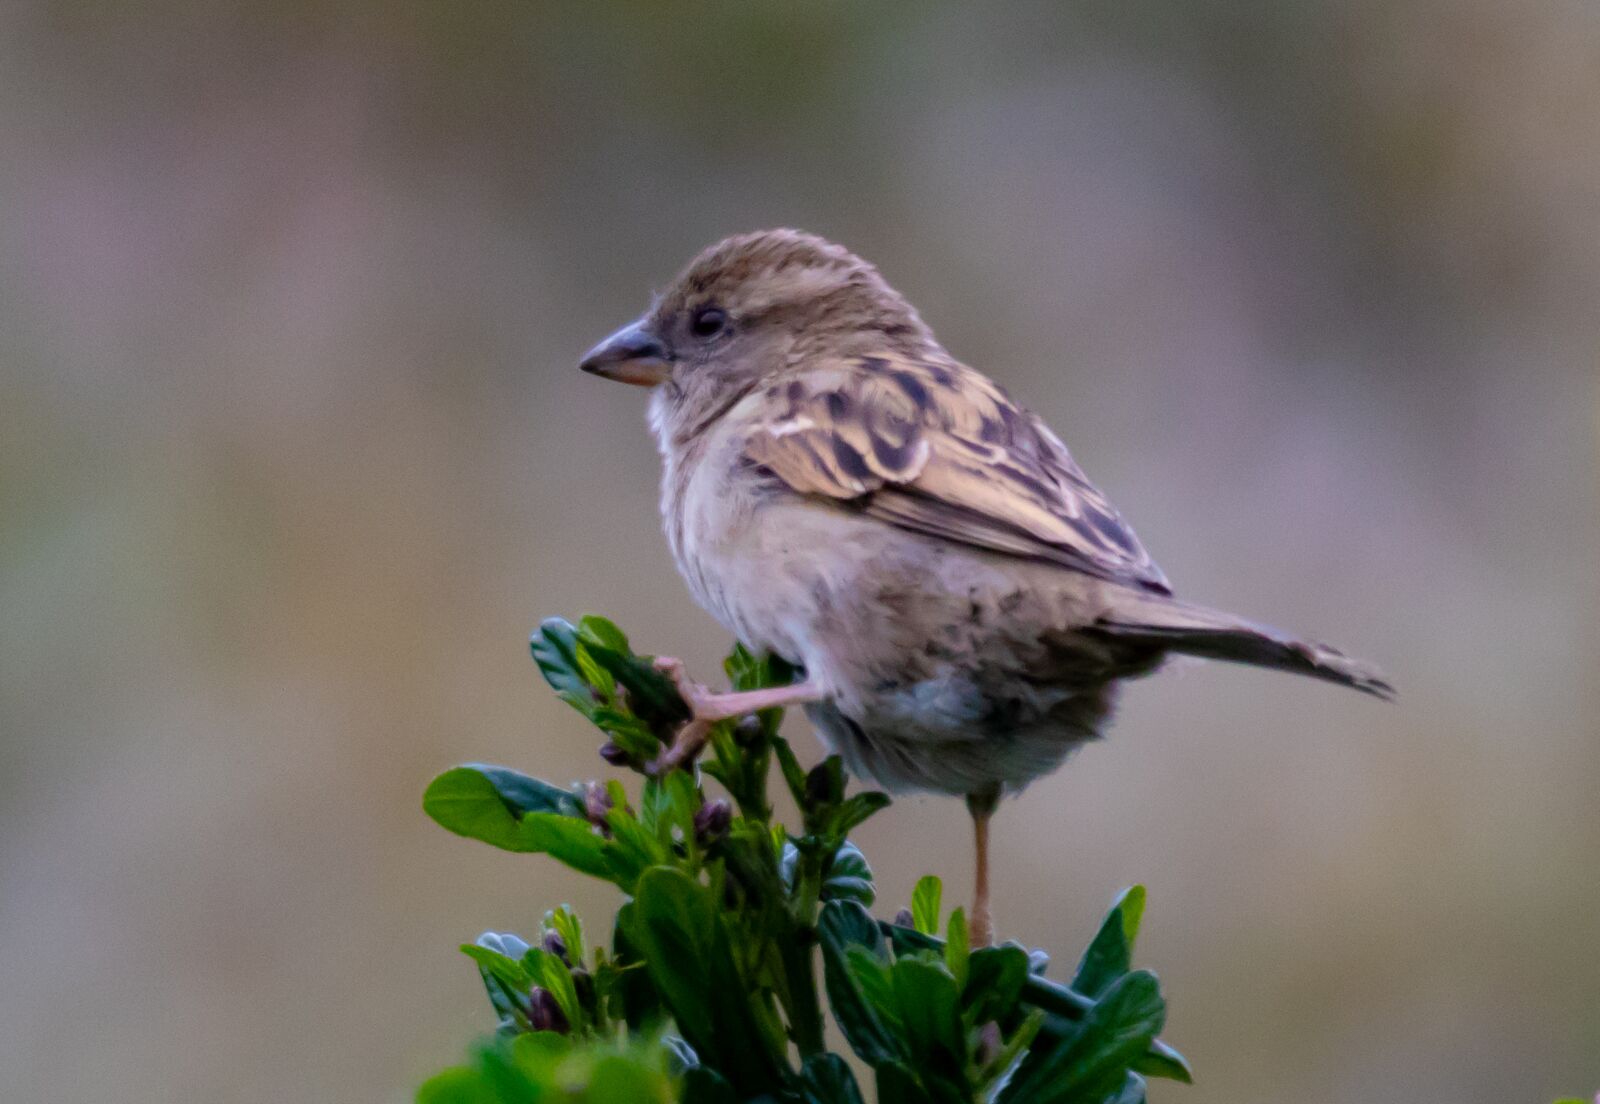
point(749, 308)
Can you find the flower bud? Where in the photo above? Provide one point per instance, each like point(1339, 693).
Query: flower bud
point(711, 821)
point(583, 985)
point(544, 1014)
point(596, 803)
point(904, 919)
point(554, 944)
point(748, 730)
point(613, 753)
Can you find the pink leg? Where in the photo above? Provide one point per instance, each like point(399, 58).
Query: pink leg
point(706, 707)
point(981, 805)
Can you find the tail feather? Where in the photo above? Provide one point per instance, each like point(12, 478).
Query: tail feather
point(1195, 630)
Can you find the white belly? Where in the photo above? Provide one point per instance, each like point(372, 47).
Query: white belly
point(765, 569)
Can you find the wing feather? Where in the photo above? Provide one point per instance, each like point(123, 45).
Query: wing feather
point(934, 447)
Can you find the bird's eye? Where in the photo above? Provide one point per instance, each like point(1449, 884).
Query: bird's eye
point(708, 321)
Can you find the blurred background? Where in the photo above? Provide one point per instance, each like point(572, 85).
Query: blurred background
point(294, 454)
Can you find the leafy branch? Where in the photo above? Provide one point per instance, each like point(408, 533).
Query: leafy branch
point(707, 988)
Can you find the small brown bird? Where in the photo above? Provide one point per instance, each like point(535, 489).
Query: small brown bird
point(838, 490)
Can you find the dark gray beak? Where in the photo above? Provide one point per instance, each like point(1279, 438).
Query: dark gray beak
point(631, 355)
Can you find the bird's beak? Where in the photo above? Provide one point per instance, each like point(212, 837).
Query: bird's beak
point(631, 355)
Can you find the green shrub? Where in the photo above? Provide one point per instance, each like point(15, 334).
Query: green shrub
point(706, 987)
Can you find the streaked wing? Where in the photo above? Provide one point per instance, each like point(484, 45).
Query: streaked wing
point(934, 447)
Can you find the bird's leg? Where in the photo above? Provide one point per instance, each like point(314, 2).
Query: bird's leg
point(706, 704)
point(706, 707)
point(981, 805)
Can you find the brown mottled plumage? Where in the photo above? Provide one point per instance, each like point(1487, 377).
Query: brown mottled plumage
point(931, 445)
point(839, 490)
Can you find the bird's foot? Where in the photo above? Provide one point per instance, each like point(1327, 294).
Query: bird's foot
point(706, 707)
point(695, 731)
point(699, 697)
point(685, 748)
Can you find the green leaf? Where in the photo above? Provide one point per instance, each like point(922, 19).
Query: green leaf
point(569, 841)
point(628, 732)
point(594, 675)
point(542, 1066)
point(506, 986)
point(857, 809)
point(514, 1079)
point(826, 1079)
point(549, 972)
point(565, 923)
point(995, 976)
point(487, 803)
point(928, 1002)
point(750, 672)
point(619, 1077)
point(925, 900)
point(1110, 954)
point(747, 671)
point(1017, 1041)
point(1132, 1092)
point(957, 948)
point(522, 794)
point(506, 970)
point(1092, 1062)
point(1162, 1060)
point(636, 1002)
point(702, 1084)
point(651, 694)
point(632, 848)
point(793, 775)
point(824, 787)
point(539, 1054)
point(897, 1085)
point(849, 877)
point(604, 632)
point(555, 650)
point(668, 803)
point(677, 926)
point(747, 853)
point(458, 1085)
point(873, 980)
point(845, 926)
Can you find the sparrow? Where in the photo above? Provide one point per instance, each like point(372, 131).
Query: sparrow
point(839, 491)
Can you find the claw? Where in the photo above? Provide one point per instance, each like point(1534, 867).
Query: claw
point(696, 695)
point(706, 707)
point(685, 748)
point(694, 733)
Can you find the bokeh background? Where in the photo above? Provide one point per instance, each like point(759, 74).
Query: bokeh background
point(293, 454)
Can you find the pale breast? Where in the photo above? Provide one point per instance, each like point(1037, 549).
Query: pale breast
point(707, 513)
point(766, 563)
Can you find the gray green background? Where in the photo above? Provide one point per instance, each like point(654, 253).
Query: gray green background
point(294, 452)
